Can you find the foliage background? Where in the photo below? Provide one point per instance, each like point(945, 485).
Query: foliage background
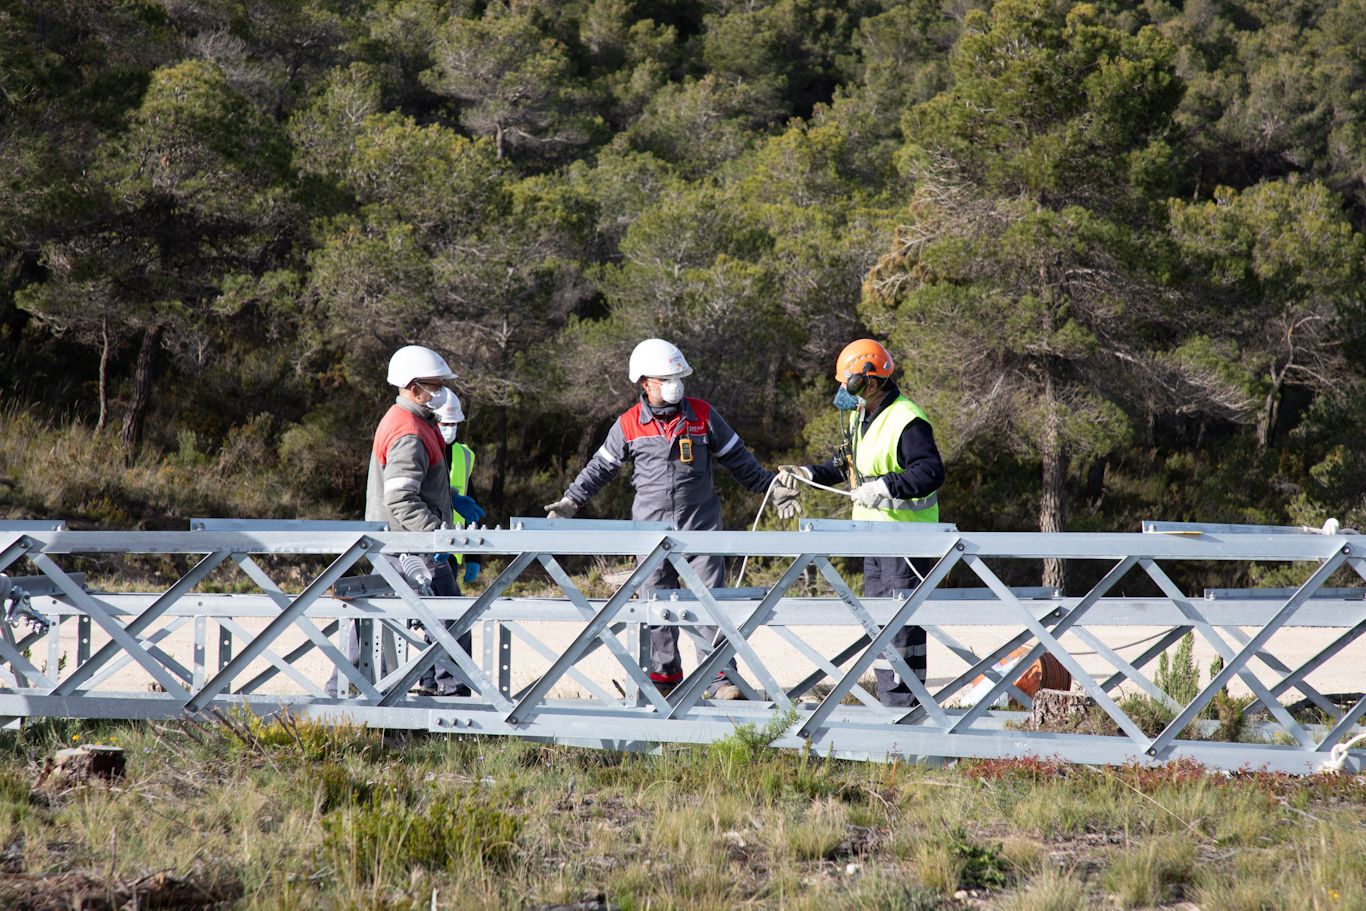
point(1115, 246)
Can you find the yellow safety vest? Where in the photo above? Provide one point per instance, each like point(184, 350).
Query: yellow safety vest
point(462, 466)
point(875, 455)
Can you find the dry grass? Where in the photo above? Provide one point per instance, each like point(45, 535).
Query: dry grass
point(305, 817)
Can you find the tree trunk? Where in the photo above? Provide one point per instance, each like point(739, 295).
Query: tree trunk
point(1271, 413)
point(131, 434)
point(1054, 479)
point(104, 376)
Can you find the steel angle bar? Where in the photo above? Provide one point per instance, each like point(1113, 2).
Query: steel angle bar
point(276, 627)
point(550, 654)
point(590, 632)
point(12, 547)
point(734, 638)
point(164, 602)
point(983, 667)
point(97, 611)
point(1231, 665)
point(810, 680)
point(1126, 670)
point(289, 658)
point(606, 636)
point(1308, 667)
point(304, 625)
point(882, 641)
point(690, 690)
point(829, 669)
point(1344, 725)
point(16, 659)
point(873, 630)
point(1161, 645)
point(476, 611)
point(119, 663)
point(442, 640)
point(1048, 640)
point(974, 662)
point(1275, 665)
point(278, 663)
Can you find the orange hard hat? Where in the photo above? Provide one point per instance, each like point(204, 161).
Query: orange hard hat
point(856, 355)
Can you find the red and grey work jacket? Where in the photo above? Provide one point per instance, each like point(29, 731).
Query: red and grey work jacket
point(672, 457)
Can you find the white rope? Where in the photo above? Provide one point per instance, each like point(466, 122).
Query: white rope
point(1337, 758)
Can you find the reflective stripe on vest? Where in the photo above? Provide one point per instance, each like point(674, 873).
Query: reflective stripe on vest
point(875, 455)
point(462, 466)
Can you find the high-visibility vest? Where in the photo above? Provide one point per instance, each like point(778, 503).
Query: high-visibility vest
point(462, 466)
point(875, 455)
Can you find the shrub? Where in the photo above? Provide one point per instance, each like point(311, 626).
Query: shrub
point(453, 830)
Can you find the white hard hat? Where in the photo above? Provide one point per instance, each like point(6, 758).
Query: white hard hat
point(451, 412)
point(414, 362)
point(660, 359)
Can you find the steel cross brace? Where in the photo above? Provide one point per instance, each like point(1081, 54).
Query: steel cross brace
point(442, 640)
point(691, 689)
point(164, 602)
point(827, 668)
point(882, 641)
point(311, 633)
point(549, 654)
point(606, 636)
point(1049, 640)
point(419, 665)
point(1233, 666)
point(98, 612)
point(984, 667)
point(298, 652)
point(599, 622)
point(1176, 634)
point(1308, 667)
point(276, 627)
point(872, 630)
point(734, 639)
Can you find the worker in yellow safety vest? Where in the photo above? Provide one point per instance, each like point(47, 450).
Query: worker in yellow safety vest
point(894, 471)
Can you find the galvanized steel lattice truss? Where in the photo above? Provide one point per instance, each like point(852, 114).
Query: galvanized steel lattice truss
point(252, 630)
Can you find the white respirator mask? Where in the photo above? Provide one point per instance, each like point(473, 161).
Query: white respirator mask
point(448, 432)
point(671, 391)
point(439, 398)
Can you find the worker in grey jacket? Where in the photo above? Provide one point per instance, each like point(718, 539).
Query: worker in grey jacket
point(672, 441)
point(408, 487)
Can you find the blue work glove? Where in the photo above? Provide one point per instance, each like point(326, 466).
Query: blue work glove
point(471, 572)
point(469, 510)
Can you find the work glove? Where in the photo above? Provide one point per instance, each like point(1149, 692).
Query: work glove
point(471, 572)
point(563, 508)
point(467, 509)
point(873, 495)
point(791, 476)
point(785, 501)
point(416, 573)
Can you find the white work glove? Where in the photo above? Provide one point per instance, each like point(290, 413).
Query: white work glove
point(785, 501)
point(789, 475)
point(873, 495)
point(563, 508)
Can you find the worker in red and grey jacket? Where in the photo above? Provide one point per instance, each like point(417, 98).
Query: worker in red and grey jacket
point(408, 487)
point(672, 441)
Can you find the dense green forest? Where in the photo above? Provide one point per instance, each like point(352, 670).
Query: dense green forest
point(1116, 247)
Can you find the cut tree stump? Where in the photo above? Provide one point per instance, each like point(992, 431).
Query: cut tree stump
point(1059, 710)
point(95, 763)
